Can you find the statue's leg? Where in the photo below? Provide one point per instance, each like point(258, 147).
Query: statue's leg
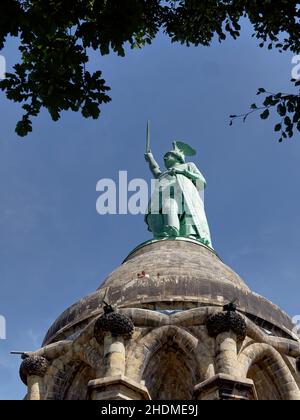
point(155, 224)
point(171, 219)
point(187, 227)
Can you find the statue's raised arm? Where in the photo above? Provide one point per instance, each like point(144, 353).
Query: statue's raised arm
point(153, 165)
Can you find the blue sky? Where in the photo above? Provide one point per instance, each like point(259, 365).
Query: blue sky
point(55, 248)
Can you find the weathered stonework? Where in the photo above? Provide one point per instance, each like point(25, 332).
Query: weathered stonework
point(117, 388)
point(169, 337)
point(225, 387)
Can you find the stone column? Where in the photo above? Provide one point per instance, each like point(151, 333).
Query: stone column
point(114, 355)
point(112, 329)
point(227, 353)
point(32, 372)
point(228, 328)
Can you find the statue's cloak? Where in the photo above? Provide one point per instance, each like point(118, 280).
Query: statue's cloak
point(194, 206)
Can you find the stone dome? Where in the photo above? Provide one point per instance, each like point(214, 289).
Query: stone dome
point(171, 275)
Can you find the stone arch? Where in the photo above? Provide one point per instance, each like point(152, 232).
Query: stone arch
point(292, 365)
point(266, 367)
point(77, 388)
point(70, 381)
point(170, 360)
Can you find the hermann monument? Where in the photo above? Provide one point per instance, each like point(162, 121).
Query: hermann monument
point(172, 322)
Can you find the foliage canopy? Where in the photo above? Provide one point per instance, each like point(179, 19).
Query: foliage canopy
point(55, 37)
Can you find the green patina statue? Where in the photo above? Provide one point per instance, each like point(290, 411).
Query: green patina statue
point(176, 208)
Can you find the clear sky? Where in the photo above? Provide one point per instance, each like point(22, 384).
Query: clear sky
point(55, 248)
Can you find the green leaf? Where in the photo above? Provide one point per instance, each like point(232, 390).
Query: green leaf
point(265, 114)
point(278, 127)
point(261, 90)
point(281, 109)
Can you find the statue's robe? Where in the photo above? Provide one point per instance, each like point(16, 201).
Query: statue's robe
point(188, 195)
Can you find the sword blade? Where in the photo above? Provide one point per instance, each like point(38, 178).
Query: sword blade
point(148, 144)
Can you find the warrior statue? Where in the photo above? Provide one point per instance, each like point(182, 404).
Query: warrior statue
point(176, 208)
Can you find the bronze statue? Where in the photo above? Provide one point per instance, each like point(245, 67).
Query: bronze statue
point(176, 208)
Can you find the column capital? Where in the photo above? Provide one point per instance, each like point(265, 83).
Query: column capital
point(115, 323)
point(33, 366)
point(225, 322)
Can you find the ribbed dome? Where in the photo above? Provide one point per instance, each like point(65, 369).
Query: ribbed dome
point(173, 275)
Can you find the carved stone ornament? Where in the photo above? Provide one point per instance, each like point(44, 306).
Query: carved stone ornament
point(113, 322)
point(225, 322)
point(33, 366)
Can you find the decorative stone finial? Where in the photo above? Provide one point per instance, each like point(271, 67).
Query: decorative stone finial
point(33, 366)
point(113, 322)
point(226, 321)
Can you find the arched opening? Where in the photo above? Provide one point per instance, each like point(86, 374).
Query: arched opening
point(264, 383)
point(170, 373)
point(170, 363)
point(71, 383)
point(266, 367)
point(78, 388)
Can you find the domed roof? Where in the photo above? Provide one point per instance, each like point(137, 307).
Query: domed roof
point(166, 261)
point(170, 275)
